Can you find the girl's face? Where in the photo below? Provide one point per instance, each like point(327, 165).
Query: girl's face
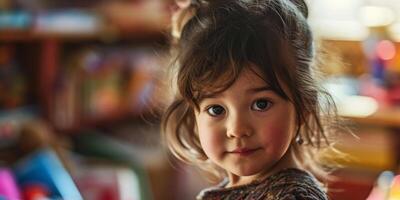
point(246, 129)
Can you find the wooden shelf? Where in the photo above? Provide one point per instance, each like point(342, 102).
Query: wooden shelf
point(115, 118)
point(388, 117)
point(106, 35)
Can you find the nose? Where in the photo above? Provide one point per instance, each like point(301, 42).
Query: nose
point(238, 126)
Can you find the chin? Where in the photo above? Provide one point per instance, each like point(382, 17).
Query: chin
point(248, 172)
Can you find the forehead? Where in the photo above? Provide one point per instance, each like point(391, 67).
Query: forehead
point(248, 80)
point(250, 76)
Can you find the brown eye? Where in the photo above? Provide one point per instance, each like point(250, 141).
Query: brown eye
point(261, 105)
point(215, 110)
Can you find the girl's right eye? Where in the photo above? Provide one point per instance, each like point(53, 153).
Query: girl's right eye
point(215, 110)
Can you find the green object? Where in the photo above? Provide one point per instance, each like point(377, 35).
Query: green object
point(95, 144)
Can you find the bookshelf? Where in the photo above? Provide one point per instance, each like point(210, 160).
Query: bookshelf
point(86, 67)
point(40, 32)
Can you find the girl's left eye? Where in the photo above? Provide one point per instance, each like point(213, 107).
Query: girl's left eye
point(261, 105)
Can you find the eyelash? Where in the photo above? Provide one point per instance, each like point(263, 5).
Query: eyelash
point(268, 102)
point(207, 109)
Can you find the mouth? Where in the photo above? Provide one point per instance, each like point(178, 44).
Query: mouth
point(244, 151)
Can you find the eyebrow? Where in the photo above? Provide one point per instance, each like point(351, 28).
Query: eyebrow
point(250, 90)
point(259, 89)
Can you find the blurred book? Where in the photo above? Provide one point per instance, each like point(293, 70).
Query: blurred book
point(68, 22)
point(8, 186)
point(127, 166)
point(108, 182)
point(42, 172)
point(104, 84)
point(15, 20)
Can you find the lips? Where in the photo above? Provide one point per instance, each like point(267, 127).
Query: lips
point(244, 151)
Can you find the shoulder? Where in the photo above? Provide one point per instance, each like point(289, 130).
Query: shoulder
point(293, 184)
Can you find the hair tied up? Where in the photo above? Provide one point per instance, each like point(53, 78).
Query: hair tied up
point(199, 2)
point(187, 9)
point(302, 6)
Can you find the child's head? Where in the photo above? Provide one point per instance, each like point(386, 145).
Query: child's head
point(245, 86)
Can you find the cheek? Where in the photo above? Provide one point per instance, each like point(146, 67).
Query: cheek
point(276, 132)
point(277, 135)
point(211, 138)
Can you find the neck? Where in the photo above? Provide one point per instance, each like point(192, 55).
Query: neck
point(287, 161)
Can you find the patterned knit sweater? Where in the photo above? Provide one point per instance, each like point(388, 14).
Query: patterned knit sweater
point(288, 184)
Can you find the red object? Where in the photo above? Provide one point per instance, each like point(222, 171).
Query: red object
point(348, 190)
point(34, 192)
point(350, 185)
point(394, 95)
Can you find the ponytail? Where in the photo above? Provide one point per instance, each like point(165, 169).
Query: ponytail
point(302, 6)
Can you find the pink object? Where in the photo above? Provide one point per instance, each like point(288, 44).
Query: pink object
point(8, 187)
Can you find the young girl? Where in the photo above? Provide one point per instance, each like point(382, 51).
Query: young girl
point(247, 107)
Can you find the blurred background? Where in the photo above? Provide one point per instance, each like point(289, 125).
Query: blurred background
point(79, 79)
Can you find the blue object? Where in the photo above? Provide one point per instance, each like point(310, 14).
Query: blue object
point(68, 21)
point(15, 20)
point(43, 167)
point(378, 70)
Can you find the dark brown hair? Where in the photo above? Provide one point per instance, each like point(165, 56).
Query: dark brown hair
point(220, 38)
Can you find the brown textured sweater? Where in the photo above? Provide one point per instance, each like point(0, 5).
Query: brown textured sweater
point(288, 184)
